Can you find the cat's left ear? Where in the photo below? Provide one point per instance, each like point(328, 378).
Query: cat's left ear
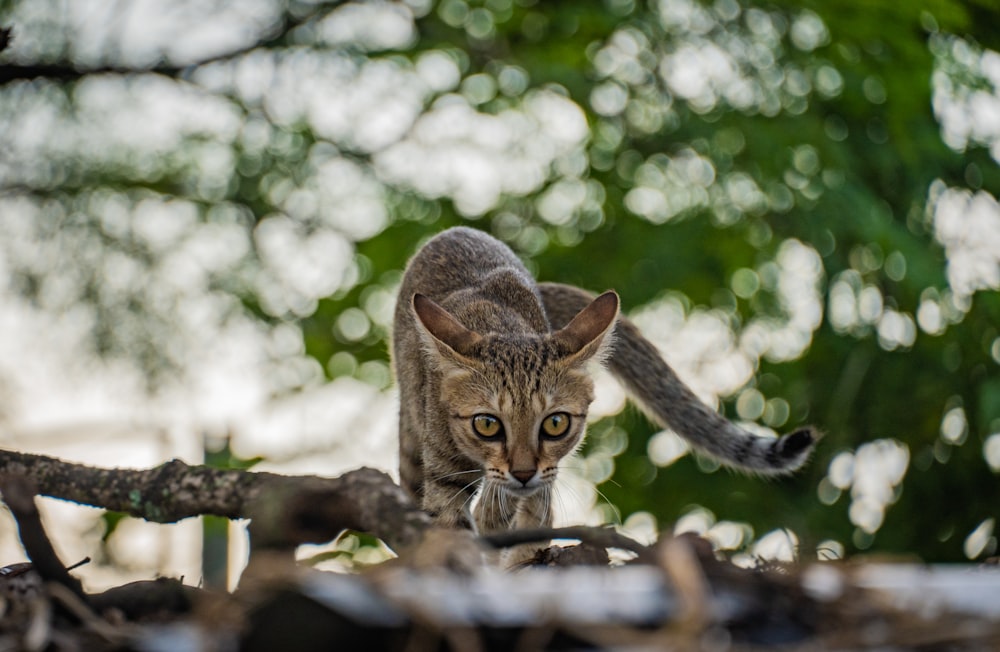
point(588, 333)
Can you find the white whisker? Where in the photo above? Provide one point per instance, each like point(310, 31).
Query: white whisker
point(459, 492)
point(614, 508)
point(504, 506)
point(568, 487)
point(546, 515)
point(469, 498)
point(555, 500)
point(449, 475)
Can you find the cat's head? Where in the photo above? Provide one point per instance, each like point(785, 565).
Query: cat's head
point(516, 404)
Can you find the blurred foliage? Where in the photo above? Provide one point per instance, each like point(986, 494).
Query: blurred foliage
point(221, 456)
point(715, 134)
point(351, 551)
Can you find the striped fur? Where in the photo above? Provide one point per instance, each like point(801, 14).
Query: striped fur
point(474, 334)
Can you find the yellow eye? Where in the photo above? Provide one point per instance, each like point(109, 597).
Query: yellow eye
point(487, 426)
point(555, 425)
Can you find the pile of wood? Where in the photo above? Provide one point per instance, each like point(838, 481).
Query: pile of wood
point(441, 593)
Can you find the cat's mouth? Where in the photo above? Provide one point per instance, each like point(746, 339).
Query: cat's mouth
point(521, 491)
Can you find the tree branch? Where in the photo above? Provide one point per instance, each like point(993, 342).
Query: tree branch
point(601, 537)
point(19, 495)
point(288, 510)
point(285, 511)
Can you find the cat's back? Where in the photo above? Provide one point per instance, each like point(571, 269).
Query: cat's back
point(457, 258)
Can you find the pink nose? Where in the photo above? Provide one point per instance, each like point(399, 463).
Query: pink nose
point(524, 476)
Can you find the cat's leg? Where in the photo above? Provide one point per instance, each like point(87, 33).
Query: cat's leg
point(411, 459)
point(450, 480)
point(494, 510)
point(534, 511)
point(448, 495)
point(452, 542)
point(500, 512)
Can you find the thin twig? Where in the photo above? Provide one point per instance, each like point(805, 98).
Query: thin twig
point(6, 36)
point(603, 537)
point(19, 494)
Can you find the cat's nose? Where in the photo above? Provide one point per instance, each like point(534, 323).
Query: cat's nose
point(524, 476)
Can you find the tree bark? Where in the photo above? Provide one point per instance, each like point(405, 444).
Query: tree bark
point(288, 510)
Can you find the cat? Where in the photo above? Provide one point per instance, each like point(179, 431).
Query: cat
point(494, 388)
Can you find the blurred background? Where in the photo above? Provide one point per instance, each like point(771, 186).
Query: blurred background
point(205, 208)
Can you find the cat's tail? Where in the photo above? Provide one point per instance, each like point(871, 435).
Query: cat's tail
point(671, 404)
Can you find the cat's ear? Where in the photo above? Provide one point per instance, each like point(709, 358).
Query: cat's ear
point(443, 328)
point(589, 332)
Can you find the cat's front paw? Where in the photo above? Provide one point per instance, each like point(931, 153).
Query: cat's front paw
point(457, 550)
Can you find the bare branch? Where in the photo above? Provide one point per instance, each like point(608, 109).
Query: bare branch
point(19, 494)
point(287, 510)
point(164, 494)
point(602, 537)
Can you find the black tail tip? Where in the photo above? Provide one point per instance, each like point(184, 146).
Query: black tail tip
point(795, 443)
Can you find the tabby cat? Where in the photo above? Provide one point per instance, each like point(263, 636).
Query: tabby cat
point(494, 388)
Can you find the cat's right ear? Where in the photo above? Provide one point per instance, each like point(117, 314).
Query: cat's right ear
point(588, 334)
point(443, 328)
